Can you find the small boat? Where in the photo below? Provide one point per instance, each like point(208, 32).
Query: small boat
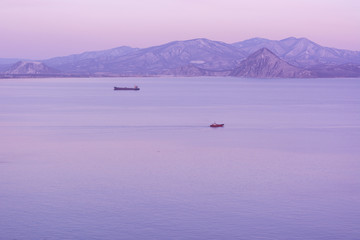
point(215, 125)
point(127, 88)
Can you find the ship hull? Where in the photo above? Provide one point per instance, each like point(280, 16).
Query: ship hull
point(126, 88)
point(216, 125)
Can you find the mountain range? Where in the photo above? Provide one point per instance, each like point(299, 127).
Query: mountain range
point(253, 58)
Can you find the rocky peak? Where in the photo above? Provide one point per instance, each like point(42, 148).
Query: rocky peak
point(265, 64)
point(263, 53)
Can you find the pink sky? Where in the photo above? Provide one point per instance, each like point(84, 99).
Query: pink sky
point(40, 29)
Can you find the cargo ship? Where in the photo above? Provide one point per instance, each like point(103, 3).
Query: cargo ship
point(136, 88)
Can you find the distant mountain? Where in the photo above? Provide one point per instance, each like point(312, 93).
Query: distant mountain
point(175, 56)
point(165, 59)
point(5, 63)
point(84, 62)
point(30, 68)
point(265, 64)
point(300, 52)
point(257, 57)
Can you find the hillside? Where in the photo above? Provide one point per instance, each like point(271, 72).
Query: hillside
point(300, 52)
point(31, 68)
point(265, 64)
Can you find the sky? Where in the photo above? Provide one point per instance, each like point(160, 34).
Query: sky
point(40, 29)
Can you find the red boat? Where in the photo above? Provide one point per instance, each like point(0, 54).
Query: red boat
point(215, 125)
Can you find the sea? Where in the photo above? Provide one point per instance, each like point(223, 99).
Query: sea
point(80, 161)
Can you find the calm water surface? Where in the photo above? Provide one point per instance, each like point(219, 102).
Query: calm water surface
point(81, 161)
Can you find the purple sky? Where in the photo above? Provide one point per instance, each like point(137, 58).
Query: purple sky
point(46, 28)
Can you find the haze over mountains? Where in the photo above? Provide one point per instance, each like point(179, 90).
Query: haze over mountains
point(255, 58)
